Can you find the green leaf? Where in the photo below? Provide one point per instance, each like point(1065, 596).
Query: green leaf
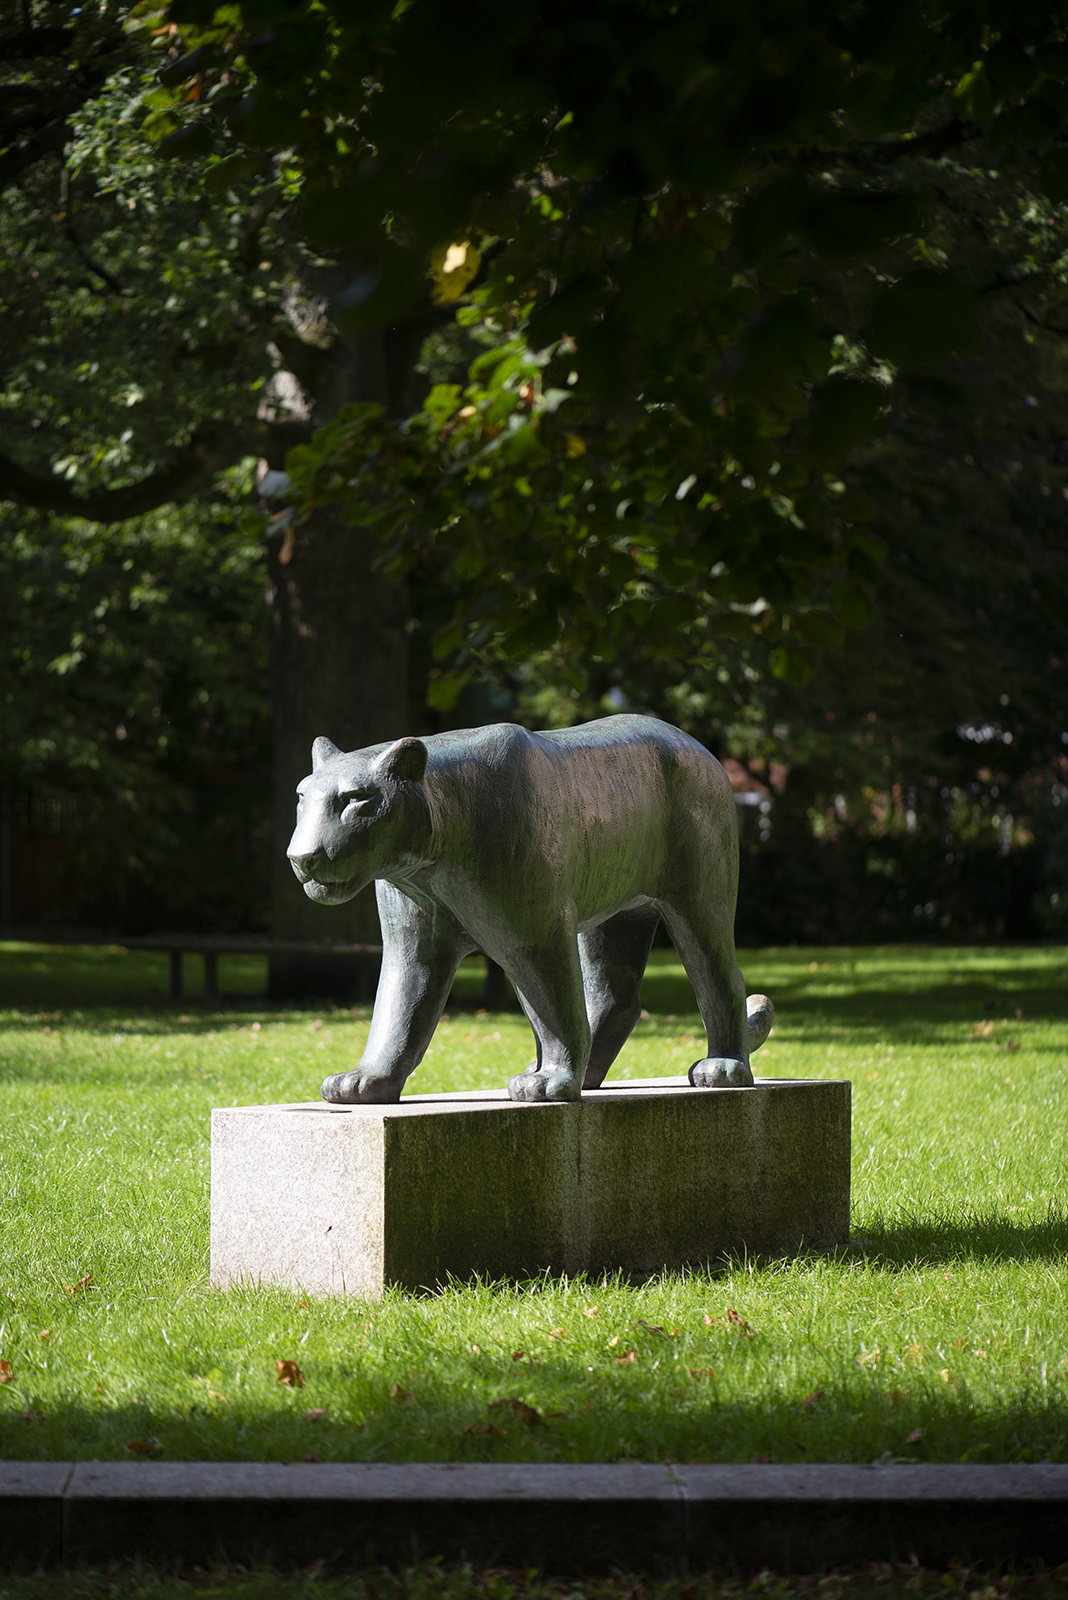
point(819, 629)
point(536, 634)
point(852, 604)
point(1009, 69)
point(160, 99)
point(794, 665)
point(926, 317)
point(443, 692)
point(188, 66)
point(188, 144)
point(567, 312)
point(267, 120)
point(854, 507)
point(763, 221)
point(1053, 174)
point(233, 169)
point(844, 411)
point(442, 402)
point(852, 225)
point(448, 641)
point(732, 625)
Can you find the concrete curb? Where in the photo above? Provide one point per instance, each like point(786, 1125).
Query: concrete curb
point(561, 1518)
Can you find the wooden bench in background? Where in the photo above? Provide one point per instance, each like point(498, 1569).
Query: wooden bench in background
point(211, 947)
point(498, 994)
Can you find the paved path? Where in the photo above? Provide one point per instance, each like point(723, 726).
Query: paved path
point(560, 1518)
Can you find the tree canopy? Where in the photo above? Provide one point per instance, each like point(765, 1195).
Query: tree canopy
point(684, 236)
point(703, 333)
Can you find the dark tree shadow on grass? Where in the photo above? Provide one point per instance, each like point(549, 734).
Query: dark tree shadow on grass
point(561, 1413)
point(925, 1242)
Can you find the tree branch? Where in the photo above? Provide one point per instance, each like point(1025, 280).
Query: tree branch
point(20, 156)
point(933, 144)
point(66, 217)
point(248, 234)
point(212, 447)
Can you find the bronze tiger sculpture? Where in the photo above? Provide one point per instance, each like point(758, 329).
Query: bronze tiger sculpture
point(556, 854)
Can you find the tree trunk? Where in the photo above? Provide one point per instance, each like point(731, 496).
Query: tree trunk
point(339, 667)
point(339, 659)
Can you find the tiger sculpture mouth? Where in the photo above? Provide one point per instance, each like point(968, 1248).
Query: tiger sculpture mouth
point(331, 892)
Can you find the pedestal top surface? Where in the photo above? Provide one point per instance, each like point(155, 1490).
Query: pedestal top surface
point(492, 1099)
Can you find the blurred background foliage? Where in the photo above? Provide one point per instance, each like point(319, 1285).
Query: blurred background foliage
point(774, 446)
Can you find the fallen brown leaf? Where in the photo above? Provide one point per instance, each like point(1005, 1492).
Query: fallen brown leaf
point(812, 1400)
point(627, 1359)
point(652, 1327)
point(316, 1414)
point(739, 1322)
point(524, 1414)
point(145, 1447)
point(762, 1461)
point(403, 1397)
point(915, 1436)
point(6, 1374)
point(517, 1355)
point(288, 1372)
point(82, 1283)
point(312, 1457)
point(212, 1394)
point(557, 1333)
point(709, 1320)
point(702, 1372)
point(591, 1311)
point(46, 1333)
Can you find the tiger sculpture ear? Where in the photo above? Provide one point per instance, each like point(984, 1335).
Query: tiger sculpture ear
point(405, 759)
point(322, 751)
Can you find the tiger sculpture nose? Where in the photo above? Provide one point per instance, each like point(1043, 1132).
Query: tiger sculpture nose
point(305, 866)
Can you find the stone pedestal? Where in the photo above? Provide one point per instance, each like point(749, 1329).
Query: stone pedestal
point(638, 1177)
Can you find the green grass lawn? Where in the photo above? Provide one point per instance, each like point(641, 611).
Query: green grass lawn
point(941, 1335)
